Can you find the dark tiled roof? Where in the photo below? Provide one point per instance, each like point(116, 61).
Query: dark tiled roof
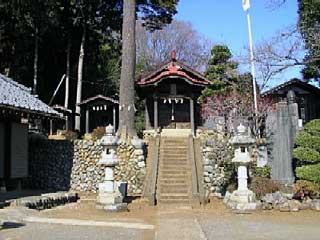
point(98, 97)
point(15, 95)
point(294, 81)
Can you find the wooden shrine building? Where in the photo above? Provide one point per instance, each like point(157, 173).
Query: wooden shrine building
point(99, 111)
point(171, 92)
point(307, 97)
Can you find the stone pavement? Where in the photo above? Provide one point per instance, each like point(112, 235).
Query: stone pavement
point(166, 224)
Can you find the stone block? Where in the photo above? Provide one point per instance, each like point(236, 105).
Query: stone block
point(138, 152)
point(208, 168)
point(141, 164)
point(294, 205)
point(284, 207)
point(109, 198)
point(315, 205)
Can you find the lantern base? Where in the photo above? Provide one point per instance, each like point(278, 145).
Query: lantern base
point(243, 196)
point(241, 200)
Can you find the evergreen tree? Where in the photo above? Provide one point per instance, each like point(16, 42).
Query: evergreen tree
point(309, 25)
point(221, 71)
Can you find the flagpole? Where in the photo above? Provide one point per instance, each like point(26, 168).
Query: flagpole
point(252, 64)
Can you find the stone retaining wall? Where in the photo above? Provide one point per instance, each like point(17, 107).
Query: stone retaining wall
point(217, 153)
point(64, 165)
point(50, 164)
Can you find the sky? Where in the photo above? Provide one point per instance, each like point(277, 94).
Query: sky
point(225, 22)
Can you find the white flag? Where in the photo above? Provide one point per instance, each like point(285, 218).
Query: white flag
point(245, 5)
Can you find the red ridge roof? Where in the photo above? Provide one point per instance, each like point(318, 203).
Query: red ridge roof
point(173, 68)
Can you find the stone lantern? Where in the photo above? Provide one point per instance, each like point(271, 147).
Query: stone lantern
point(242, 198)
point(109, 197)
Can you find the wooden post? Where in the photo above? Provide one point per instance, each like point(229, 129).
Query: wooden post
point(114, 117)
point(51, 127)
point(155, 112)
point(192, 116)
point(87, 120)
point(67, 123)
point(147, 119)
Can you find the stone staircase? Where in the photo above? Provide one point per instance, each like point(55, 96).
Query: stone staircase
point(174, 176)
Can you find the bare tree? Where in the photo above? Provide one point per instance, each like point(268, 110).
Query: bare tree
point(127, 108)
point(191, 47)
point(273, 56)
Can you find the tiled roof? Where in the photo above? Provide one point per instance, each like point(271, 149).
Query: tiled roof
point(99, 97)
point(15, 95)
point(173, 68)
point(294, 81)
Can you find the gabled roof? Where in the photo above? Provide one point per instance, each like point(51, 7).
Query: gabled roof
point(98, 97)
point(170, 69)
point(16, 96)
point(58, 107)
point(295, 82)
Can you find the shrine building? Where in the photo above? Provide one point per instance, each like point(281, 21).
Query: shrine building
point(171, 92)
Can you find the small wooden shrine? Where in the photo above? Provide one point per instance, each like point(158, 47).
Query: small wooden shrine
point(99, 111)
point(171, 92)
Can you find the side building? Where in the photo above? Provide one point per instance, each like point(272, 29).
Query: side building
point(307, 97)
point(18, 108)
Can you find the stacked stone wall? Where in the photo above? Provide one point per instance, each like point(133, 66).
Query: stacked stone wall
point(65, 165)
point(50, 164)
point(217, 153)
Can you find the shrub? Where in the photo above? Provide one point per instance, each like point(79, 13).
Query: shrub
point(313, 127)
point(306, 154)
point(308, 151)
point(264, 172)
point(98, 133)
point(309, 172)
point(307, 188)
point(305, 139)
point(262, 185)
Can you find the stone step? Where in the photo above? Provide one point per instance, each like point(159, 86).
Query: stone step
point(173, 181)
point(179, 146)
point(173, 185)
point(173, 143)
point(170, 166)
point(173, 196)
point(169, 145)
point(175, 161)
point(173, 177)
point(176, 202)
point(173, 152)
point(173, 155)
point(169, 190)
point(174, 171)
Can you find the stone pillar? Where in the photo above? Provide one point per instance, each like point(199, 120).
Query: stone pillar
point(242, 178)
point(87, 120)
point(192, 116)
point(155, 119)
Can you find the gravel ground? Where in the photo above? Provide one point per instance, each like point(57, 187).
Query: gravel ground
point(33, 231)
point(212, 222)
